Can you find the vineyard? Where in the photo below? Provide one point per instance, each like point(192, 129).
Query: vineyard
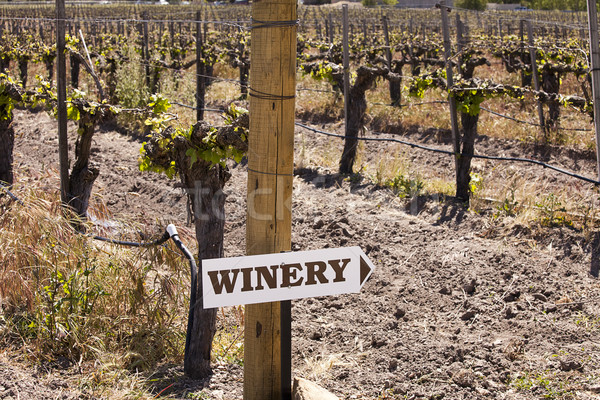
point(457, 148)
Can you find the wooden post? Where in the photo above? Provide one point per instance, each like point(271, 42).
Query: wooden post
point(61, 89)
point(450, 83)
point(145, 50)
point(386, 36)
point(522, 47)
point(270, 176)
point(500, 29)
point(595, 69)
point(200, 70)
point(459, 39)
point(536, 79)
point(331, 32)
point(346, 64)
point(365, 34)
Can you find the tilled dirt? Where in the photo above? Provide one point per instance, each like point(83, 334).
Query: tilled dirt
point(460, 306)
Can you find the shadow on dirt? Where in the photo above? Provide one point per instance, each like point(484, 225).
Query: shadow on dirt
point(169, 380)
point(326, 180)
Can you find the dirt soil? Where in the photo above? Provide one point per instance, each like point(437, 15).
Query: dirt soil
point(459, 306)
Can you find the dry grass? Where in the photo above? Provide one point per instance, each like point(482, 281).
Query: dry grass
point(316, 367)
point(65, 295)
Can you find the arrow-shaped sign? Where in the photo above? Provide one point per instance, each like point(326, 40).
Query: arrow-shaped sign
point(283, 276)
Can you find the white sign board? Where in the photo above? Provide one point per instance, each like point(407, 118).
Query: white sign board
point(283, 276)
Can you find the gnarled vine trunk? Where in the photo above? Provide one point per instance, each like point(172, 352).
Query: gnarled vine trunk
point(204, 182)
point(7, 140)
point(23, 67)
point(471, 60)
point(84, 173)
point(75, 68)
point(11, 93)
point(357, 106)
point(244, 72)
point(551, 85)
point(50, 68)
point(4, 64)
point(395, 80)
point(463, 173)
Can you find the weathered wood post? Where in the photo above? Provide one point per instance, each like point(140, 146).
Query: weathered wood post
point(536, 79)
point(346, 63)
point(450, 83)
point(200, 69)
point(61, 89)
point(595, 68)
point(270, 175)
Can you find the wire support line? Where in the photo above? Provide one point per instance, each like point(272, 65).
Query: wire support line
point(197, 108)
point(532, 123)
point(494, 15)
point(315, 90)
point(184, 71)
point(238, 24)
point(410, 104)
point(432, 149)
point(484, 109)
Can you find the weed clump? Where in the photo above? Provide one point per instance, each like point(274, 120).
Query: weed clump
point(64, 295)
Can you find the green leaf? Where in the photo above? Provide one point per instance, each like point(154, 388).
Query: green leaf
point(193, 154)
point(73, 113)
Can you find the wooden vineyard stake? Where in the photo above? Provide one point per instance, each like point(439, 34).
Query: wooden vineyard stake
point(319, 36)
point(145, 51)
point(595, 71)
point(61, 89)
point(386, 36)
point(522, 49)
point(500, 29)
point(459, 39)
point(270, 176)
point(536, 79)
point(200, 69)
point(330, 24)
point(450, 83)
point(346, 64)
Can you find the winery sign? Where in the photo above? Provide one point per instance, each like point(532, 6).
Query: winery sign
point(283, 276)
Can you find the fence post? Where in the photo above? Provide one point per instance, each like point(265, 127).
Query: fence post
point(200, 70)
point(145, 51)
point(595, 69)
point(270, 176)
point(386, 37)
point(459, 38)
point(450, 83)
point(365, 34)
point(330, 24)
point(500, 29)
point(61, 88)
point(536, 79)
point(346, 64)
